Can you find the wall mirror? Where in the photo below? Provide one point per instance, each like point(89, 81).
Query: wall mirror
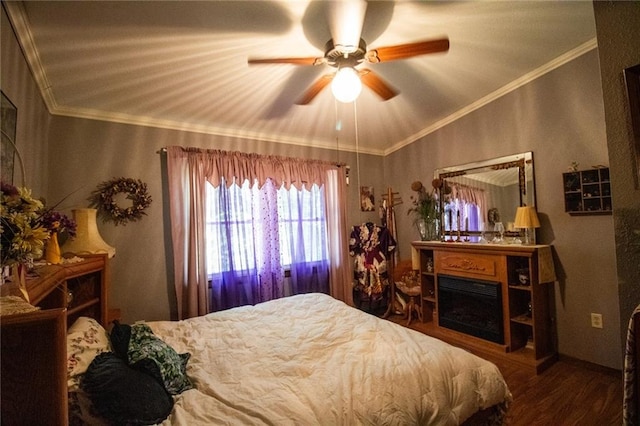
point(475, 196)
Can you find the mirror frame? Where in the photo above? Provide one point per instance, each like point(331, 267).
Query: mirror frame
point(522, 161)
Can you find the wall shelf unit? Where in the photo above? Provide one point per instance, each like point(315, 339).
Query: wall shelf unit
point(524, 276)
point(587, 192)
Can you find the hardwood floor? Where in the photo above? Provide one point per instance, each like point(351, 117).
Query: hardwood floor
point(569, 392)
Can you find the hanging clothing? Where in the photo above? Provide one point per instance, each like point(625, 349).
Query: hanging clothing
point(371, 246)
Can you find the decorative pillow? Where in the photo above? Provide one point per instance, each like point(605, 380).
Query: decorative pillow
point(149, 353)
point(123, 395)
point(86, 338)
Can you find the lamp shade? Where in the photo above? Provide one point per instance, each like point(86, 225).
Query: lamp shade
point(88, 239)
point(346, 85)
point(526, 217)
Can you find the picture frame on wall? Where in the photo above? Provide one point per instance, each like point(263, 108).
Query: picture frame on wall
point(367, 201)
point(632, 81)
point(8, 120)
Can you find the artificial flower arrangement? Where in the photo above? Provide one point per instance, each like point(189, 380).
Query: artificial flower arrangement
point(104, 200)
point(425, 204)
point(25, 225)
point(59, 223)
point(425, 208)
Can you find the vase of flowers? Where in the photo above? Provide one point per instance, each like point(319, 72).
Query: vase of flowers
point(21, 231)
point(425, 212)
point(26, 225)
point(61, 228)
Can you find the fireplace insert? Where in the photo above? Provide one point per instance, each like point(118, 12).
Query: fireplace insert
point(471, 306)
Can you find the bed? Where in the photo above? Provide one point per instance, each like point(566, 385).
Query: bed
point(313, 360)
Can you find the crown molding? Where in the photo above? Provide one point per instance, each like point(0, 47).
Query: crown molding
point(515, 84)
point(20, 24)
point(19, 21)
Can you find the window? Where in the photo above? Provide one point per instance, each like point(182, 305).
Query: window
point(306, 224)
point(464, 209)
point(240, 221)
point(469, 216)
point(233, 245)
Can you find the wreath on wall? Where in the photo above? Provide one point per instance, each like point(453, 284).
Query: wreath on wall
point(103, 199)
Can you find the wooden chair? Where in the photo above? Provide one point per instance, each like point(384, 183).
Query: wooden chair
point(410, 293)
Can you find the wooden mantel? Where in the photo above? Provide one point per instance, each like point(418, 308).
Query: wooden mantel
point(527, 318)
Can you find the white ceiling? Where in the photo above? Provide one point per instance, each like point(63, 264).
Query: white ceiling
point(183, 64)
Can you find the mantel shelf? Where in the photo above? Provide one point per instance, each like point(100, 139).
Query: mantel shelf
point(526, 324)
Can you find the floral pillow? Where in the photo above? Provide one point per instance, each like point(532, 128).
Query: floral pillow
point(86, 338)
point(149, 353)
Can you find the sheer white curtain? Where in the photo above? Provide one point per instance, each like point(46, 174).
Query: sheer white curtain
point(255, 234)
point(463, 195)
point(189, 170)
point(243, 250)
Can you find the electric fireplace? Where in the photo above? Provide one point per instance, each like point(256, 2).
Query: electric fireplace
point(471, 306)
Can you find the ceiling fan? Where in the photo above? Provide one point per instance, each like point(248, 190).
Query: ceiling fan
point(347, 57)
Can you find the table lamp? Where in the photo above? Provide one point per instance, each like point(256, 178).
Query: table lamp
point(527, 219)
point(88, 239)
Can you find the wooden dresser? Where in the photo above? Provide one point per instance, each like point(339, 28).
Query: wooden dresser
point(33, 345)
point(518, 278)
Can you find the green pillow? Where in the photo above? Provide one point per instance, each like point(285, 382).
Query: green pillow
point(150, 354)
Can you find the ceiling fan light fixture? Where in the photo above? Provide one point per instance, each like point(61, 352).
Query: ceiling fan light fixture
point(346, 85)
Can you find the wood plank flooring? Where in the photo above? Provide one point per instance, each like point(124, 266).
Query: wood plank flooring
point(570, 392)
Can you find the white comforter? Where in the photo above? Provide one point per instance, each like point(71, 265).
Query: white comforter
point(313, 360)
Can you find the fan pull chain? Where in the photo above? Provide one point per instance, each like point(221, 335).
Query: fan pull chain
point(355, 121)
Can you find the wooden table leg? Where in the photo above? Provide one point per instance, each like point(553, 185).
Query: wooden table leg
point(419, 311)
point(409, 309)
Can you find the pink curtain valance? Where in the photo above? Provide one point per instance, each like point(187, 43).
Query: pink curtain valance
point(242, 166)
point(471, 195)
point(467, 194)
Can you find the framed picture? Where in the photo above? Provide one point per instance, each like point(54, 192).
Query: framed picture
point(367, 203)
point(632, 80)
point(8, 120)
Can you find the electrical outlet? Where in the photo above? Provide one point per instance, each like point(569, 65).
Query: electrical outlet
point(596, 320)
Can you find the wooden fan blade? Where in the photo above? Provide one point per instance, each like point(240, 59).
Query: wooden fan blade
point(294, 61)
point(401, 51)
point(375, 83)
point(315, 88)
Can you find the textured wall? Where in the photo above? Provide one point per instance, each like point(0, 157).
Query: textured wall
point(72, 156)
point(618, 30)
point(560, 117)
point(33, 117)
point(87, 152)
